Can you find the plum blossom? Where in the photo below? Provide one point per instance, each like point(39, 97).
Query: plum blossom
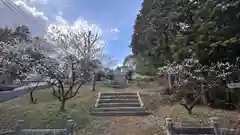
point(191, 70)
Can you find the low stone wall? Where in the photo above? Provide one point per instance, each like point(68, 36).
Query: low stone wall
point(213, 129)
point(7, 95)
point(19, 130)
point(6, 87)
point(17, 92)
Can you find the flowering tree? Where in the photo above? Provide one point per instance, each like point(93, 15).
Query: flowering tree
point(201, 77)
point(12, 44)
point(71, 63)
point(11, 60)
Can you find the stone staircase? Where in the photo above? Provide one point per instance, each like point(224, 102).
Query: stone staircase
point(119, 104)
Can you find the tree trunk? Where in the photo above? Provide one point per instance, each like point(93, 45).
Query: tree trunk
point(62, 106)
point(32, 99)
point(94, 83)
point(204, 98)
point(190, 107)
point(189, 111)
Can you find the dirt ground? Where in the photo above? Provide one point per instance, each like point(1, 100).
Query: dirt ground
point(158, 104)
point(45, 113)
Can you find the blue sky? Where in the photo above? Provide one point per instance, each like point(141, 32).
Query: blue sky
point(118, 14)
point(114, 17)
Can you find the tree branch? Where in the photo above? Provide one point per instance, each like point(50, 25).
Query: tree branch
point(71, 87)
point(34, 87)
point(55, 94)
point(79, 86)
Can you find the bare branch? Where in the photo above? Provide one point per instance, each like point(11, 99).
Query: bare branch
point(55, 94)
point(78, 88)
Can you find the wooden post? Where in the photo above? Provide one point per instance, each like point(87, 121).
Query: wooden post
point(70, 127)
point(170, 82)
point(169, 124)
point(19, 127)
point(94, 82)
point(215, 125)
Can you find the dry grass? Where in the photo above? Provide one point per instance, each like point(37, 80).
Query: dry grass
point(45, 114)
point(201, 114)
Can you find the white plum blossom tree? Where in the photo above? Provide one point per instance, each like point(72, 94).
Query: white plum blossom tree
point(72, 61)
point(201, 77)
point(13, 60)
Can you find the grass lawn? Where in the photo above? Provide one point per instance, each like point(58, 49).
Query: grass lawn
point(45, 114)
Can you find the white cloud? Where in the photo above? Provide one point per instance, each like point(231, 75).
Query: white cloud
point(60, 19)
point(17, 12)
point(111, 34)
point(79, 25)
point(114, 30)
point(84, 24)
point(31, 10)
point(38, 1)
point(28, 12)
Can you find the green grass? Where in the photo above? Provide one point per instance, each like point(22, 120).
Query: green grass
point(45, 114)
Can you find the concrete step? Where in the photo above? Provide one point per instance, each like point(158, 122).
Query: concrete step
point(119, 105)
point(117, 93)
point(118, 101)
point(119, 97)
point(108, 109)
point(121, 113)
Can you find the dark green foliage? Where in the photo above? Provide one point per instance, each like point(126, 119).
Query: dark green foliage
point(21, 32)
point(172, 30)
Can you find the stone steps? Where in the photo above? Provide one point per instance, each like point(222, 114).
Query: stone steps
point(107, 109)
point(119, 97)
point(119, 104)
point(117, 93)
point(118, 101)
point(120, 113)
